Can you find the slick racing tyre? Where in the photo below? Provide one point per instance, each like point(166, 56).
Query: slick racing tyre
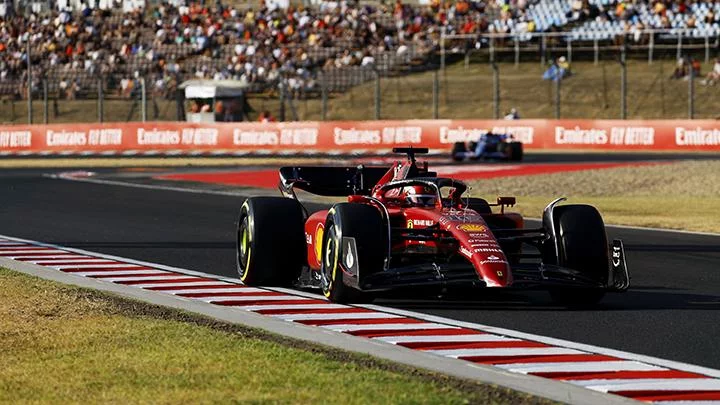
point(458, 151)
point(355, 241)
point(515, 151)
point(583, 247)
point(271, 246)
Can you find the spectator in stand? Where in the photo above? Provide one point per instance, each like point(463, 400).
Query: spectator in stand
point(713, 76)
point(265, 117)
point(512, 115)
point(681, 69)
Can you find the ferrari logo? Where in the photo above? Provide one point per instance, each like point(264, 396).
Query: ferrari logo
point(500, 273)
point(409, 224)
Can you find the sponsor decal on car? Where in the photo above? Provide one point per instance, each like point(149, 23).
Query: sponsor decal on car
point(411, 223)
point(472, 227)
point(487, 250)
point(493, 259)
point(483, 235)
point(308, 238)
point(465, 252)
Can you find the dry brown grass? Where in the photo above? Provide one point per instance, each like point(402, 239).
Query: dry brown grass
point(682, 195)
point(593, 92)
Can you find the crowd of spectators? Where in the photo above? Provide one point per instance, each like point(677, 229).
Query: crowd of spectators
point(167, 44)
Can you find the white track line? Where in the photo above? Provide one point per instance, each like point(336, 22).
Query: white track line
point(114, 265)
point(178, 284)
point(78, 261)
point(122, 273)
point(335, 315)
point(386, 326)
point(214, 290)
point(167, 276)
point(250, 298)
point(551, 341)
point(579, 366)
point(67, 256)
point(681, 402)
point(651, 384)
point(445, 338)
point(290, 307)
point(505, 351)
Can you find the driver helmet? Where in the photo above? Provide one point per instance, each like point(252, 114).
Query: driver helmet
point(420, 196)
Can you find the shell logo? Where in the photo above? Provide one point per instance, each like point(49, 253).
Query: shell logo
point(319, 232)
point(472, 227)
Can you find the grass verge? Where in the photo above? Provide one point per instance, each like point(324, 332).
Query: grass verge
point(65, 344)
point(682, 195)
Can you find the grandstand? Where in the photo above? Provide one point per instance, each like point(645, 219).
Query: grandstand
point(336, 44)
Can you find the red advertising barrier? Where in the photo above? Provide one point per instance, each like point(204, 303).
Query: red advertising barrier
point(342, 137)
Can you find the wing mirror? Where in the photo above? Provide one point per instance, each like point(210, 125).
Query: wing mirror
point(505, 201)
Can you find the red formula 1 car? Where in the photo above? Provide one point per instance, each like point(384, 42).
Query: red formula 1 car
point(405, 228)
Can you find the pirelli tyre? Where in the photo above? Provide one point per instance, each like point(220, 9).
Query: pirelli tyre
point(354, 244)
point(271, 246)
point(583, 247)
point(458, 151)
point(515, 151)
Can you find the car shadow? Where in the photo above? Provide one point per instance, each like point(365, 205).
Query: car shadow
point(637, 298)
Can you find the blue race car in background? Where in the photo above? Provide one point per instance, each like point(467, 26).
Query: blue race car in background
point(489, 146)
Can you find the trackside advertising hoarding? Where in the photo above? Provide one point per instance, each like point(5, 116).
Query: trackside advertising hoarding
point(343, 137)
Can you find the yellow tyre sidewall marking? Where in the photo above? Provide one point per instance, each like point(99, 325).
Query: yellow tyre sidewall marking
point(247, 239)
point(328, 292)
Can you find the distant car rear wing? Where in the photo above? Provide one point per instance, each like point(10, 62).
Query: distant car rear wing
point(330, 181)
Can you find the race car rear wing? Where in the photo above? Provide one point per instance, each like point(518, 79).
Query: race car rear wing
point(330, 181)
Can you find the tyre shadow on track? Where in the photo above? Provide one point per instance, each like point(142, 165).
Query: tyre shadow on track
point(639, 298)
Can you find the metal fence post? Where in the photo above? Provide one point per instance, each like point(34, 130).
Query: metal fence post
point(623, 82)
point(651, 47)
point(467, 59)
point(436, 94)
point(596, 51)
point(517, 52)
point(558, 79)
point(377, 95)
point(707, 47)
point(100, 101)
point(442, 49)
point(496, 90)
point(543, 45)
point(323, 97)
point(143, 99)
point(29, 80)
point(679, 45)
point(691, 94)
point(282, 98)
point(46, 104)
point(569, 50)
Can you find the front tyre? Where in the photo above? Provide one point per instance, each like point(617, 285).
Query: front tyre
point(354, 245)
point(271, 246)
point(583, 246)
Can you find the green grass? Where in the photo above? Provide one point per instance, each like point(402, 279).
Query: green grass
point(63, 344)
point(683, 195)
point(593, 92)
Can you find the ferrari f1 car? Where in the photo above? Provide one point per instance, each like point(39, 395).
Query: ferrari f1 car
point(489, 147)
point(403, 227)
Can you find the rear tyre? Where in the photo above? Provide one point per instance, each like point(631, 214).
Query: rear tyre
point(271, 246)
point(583, 247)
point(458, 151)
point(515, 151)
point(364, 224)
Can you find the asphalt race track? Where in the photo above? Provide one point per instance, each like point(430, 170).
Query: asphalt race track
point(671, 310)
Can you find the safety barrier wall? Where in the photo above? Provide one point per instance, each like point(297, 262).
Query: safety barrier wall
point(342, 137)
